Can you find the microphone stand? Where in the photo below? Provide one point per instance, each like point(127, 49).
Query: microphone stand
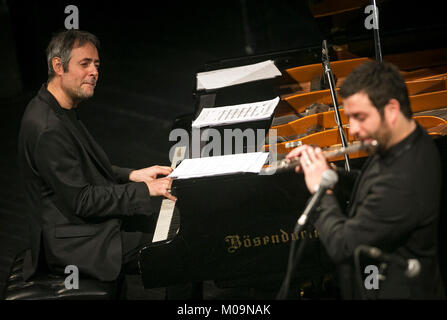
point(330, 78)
point(295, 257)
point(376, 32)
point(328, 179)
point(292, 262)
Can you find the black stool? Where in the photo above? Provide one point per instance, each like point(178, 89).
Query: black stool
point(51, 286)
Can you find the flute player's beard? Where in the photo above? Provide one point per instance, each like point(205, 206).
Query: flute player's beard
point(382, 135)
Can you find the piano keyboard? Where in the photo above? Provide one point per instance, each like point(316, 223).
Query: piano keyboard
point(168, 220)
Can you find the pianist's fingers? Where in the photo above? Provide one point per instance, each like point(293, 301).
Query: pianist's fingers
point(169, 195)
point(163, 170)
point(159, 187)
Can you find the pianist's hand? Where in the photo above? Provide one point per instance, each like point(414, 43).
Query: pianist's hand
point(150, 173)
point(313, 163)
point(161, 187)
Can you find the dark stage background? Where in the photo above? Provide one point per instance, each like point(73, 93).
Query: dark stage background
point(150, 53)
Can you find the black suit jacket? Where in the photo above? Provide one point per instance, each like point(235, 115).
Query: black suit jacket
point(395, 206)
point(77, 197)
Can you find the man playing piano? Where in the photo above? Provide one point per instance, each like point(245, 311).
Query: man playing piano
point(395, 203)
point(77, 198)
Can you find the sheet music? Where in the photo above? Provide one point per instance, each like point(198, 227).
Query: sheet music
point(236, 114)
point(231, 76)
point(220, 165)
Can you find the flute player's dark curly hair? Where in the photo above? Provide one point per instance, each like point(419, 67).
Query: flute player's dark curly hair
point(381, 81)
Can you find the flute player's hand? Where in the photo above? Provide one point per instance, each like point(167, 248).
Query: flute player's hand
point(312, 163)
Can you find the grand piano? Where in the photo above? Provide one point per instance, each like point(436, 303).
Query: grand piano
point(236, 230)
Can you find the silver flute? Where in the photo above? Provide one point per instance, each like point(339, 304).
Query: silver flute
point(289, 164)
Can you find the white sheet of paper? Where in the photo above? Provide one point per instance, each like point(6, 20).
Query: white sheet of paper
point(235, 114)
point(220, 165)
point(231, 76)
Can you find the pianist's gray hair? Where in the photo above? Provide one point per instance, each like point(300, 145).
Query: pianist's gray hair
point(61, 45)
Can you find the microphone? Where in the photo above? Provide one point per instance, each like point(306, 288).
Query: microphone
point(412, 267)
point(328, 179)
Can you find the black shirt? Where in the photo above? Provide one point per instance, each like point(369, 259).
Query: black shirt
point(395, 207)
